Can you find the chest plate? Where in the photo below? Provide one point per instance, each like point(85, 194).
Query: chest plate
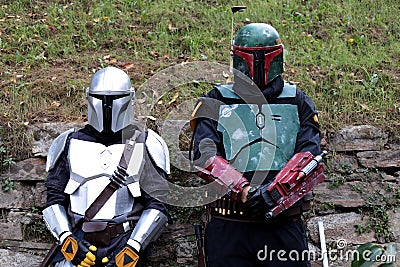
point(258, 138)
point(91, 166)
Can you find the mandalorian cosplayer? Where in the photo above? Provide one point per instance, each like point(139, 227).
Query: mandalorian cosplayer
point(245, 133)
point(102, 191)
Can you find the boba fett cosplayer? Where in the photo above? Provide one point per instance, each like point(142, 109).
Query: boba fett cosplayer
point(102, 190)
point(259, 138)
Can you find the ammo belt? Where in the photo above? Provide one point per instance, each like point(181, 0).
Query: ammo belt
point(101, 233)
point(227, 209)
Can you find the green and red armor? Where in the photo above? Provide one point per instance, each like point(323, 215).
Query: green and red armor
point(258, 53)
point(258, 137)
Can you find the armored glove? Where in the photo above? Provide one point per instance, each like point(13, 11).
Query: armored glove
point(79, 252)
point(126, 257)
point(259, 201)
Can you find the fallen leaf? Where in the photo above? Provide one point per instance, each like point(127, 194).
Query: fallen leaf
point(364, 106)
point(128, 65)
point(174, 98)
point(171, 28)
point(55, 104)
point(153, 53)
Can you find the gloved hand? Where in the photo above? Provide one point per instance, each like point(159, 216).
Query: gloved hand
point(126, 257)
point(79, 252)
point(259, 202)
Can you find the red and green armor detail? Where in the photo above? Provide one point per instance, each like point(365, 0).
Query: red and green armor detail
point(258, 137)
point(258, 53)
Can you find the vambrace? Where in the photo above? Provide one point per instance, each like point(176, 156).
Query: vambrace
point(56, 219)
point(151, 224)
point(217, 168)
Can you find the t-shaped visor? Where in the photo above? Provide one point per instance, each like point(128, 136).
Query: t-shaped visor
point(258, 60)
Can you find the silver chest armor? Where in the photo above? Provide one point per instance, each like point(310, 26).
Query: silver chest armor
point(91, 165)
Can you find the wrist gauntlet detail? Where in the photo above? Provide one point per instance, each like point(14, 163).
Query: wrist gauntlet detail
point(150, 226)
point(56, 219)
point(218, 169)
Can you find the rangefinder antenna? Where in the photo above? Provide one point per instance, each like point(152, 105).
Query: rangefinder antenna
point(234, 10)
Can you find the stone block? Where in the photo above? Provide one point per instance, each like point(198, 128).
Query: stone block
point(358, 138)
point(10, 231)
point(340, 228)
point(32, 169)
point(342, 196)
point(386, 159)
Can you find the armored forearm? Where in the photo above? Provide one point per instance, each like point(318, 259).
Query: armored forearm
point(218, 169)
point(56, 219)
point(151, 224)
point(296, 179)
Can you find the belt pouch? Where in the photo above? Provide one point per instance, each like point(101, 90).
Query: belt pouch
point(97, 233)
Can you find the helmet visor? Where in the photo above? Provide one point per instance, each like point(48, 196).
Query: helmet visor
point(258, 60)
point(112, 110)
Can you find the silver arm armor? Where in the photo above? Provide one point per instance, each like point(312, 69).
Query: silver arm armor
point(158, 150)
point(56, 148)
point(56, 219)
point(149, 227)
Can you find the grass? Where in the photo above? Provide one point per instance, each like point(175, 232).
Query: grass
point(343, 54)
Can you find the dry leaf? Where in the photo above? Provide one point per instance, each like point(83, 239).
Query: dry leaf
point(363, 106)
point(153, 53)
point(171, 28)
point(55, 104)
point(176, 95)
point(128, 65)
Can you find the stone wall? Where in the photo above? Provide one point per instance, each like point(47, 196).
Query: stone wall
point(358, 202)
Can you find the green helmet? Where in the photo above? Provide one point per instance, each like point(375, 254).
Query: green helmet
point(258, 53)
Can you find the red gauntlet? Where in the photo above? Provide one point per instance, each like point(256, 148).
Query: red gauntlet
point(218, 169)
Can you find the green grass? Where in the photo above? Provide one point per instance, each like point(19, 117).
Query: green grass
point(343, 53)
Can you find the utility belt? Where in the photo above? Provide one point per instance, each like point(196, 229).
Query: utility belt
point(101, 233)
point(228, 209)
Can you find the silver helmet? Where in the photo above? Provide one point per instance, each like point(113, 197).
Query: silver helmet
point(110, 100)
